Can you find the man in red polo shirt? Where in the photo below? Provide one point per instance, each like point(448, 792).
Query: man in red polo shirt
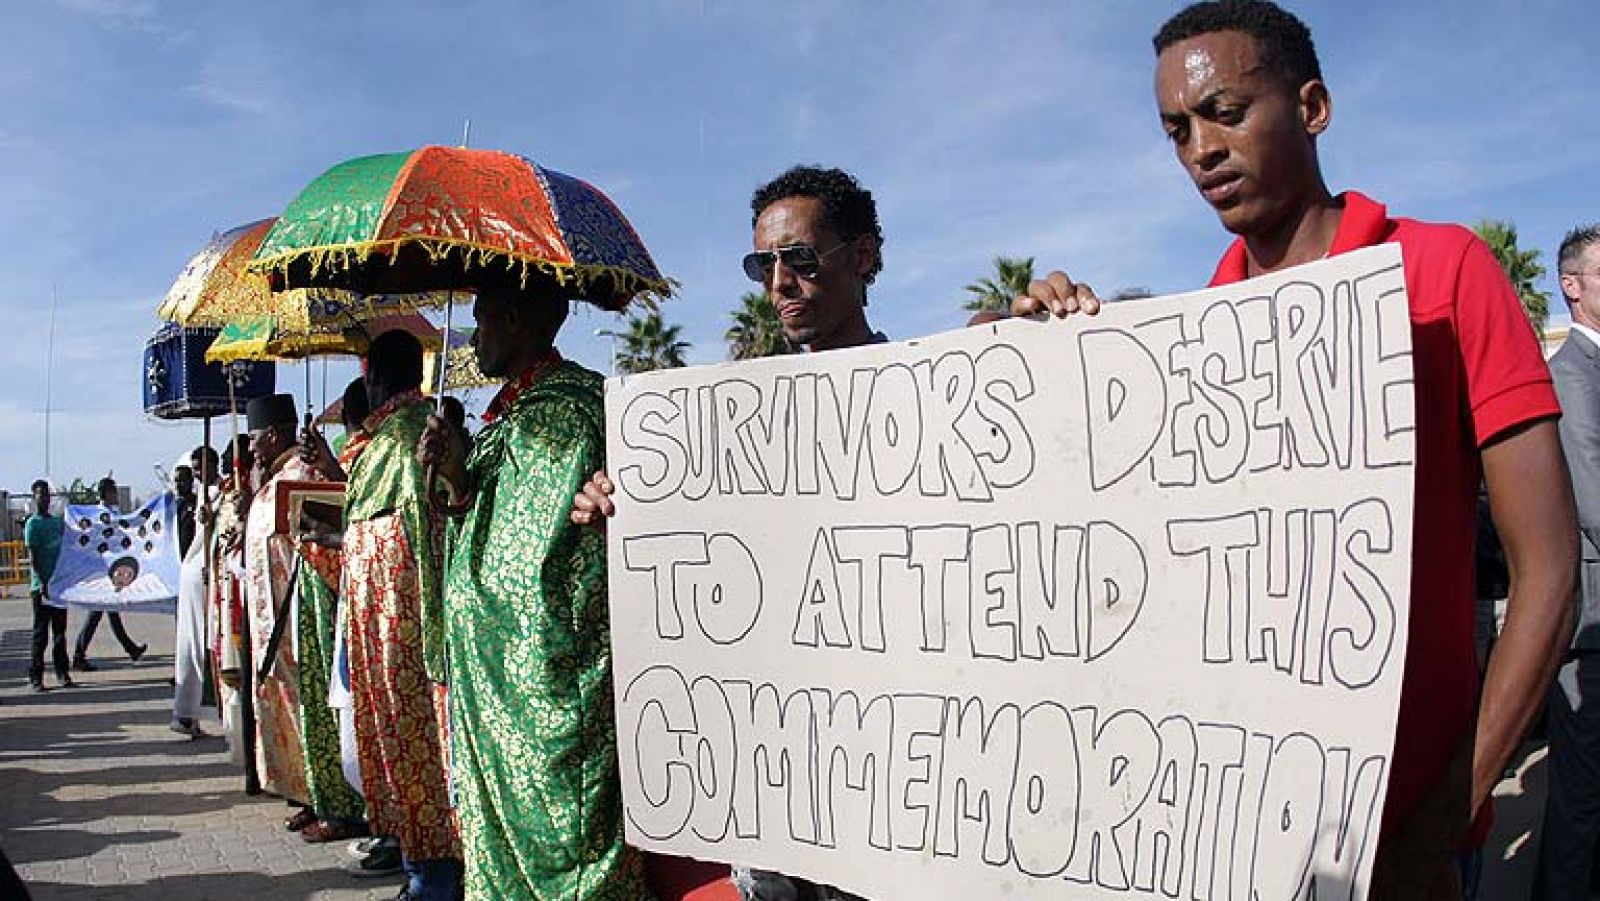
point(1242, 100)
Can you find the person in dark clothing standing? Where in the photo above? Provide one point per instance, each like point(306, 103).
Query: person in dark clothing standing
point(80, 653)
point(183, 490)
point(42, 534)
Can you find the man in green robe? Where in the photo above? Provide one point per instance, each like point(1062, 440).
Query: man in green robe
point(533, 741)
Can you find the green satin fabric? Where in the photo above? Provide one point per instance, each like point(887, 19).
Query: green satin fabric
point(530, 660)
point(330, 795)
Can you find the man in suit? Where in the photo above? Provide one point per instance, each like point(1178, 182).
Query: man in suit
point(1572, 813)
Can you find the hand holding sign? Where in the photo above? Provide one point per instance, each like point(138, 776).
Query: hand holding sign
point(1057, 295)
point(592, 505)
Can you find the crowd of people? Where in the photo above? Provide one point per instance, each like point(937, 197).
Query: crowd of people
point(447, 687)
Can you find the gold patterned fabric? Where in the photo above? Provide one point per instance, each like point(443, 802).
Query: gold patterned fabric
point(399, 717)
point(385, 479)
point(530, 660)
point(394, 627)
point(269, 558)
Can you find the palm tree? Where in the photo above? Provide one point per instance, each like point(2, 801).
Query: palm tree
point(647, 344)
point(756, 330)
point(1011, 278)
point(1521, 266)
point(81, 492)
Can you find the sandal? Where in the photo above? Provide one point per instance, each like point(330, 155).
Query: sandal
point(302, 818)
point(331, 831)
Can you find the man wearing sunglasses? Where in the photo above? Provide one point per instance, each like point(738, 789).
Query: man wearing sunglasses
point(817, 248)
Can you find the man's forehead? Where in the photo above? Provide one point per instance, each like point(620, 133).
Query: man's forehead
point(793, 215)
point(1205, 63)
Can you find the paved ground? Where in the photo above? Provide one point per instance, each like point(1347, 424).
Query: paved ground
point(98, 800)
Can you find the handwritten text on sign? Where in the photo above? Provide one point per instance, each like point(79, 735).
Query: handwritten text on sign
point(1107, 607)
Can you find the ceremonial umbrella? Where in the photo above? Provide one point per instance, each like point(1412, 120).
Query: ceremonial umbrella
point(457, 219)
point(216, 289)
point(267, 338)
point(454, 366)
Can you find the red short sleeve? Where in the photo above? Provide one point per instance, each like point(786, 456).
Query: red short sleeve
point(1508, 383)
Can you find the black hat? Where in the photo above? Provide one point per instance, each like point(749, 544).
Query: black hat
point(266, 412)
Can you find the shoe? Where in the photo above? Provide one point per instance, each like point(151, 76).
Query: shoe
point(324, 831)
point(189, 727)
point(300, 819)
point(361, 847)
point(37, 688)
point(383, 861)
point(83, 665)
point(405, 894)
point(65, 681)
point(138, 652)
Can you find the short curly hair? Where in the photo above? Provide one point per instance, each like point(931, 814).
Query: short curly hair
point(1282, 40)
point(848, 208)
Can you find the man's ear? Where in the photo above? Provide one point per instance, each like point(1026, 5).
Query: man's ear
point(1316, 107)
point(866, 257)
point(1569, 287)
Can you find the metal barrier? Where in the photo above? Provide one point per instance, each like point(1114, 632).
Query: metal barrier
point(14, 565)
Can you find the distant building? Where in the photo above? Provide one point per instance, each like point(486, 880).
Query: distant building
point(1554, 337)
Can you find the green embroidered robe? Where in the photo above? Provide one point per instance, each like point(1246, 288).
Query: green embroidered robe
point(534, 761)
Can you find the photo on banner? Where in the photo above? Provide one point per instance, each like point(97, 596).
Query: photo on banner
point(119, 562)
point(1108, 606)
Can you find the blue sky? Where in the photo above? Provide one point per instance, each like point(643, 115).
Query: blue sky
point(134, 129)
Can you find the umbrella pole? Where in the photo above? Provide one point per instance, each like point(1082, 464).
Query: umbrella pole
point(205, 534)
point(444, 348)
point(233, 423)
point(247, 706)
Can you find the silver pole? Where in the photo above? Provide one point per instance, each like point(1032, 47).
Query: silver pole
point(49, 366)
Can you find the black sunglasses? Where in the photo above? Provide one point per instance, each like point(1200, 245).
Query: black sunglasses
point(801, 259)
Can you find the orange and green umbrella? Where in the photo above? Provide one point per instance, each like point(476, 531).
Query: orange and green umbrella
point(457, 219)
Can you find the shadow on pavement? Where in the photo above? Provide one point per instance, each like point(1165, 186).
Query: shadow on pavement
point(88, 692)
point(208, 886)
point(25, 846)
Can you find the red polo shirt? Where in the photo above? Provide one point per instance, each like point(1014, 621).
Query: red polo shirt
point(1479, 372)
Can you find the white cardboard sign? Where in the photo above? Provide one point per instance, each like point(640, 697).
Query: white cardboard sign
point(1093, 608)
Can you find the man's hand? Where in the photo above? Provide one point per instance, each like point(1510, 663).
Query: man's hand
point(1056, 295)
point(592, 506)
point(440, 446)
point(315, 453)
